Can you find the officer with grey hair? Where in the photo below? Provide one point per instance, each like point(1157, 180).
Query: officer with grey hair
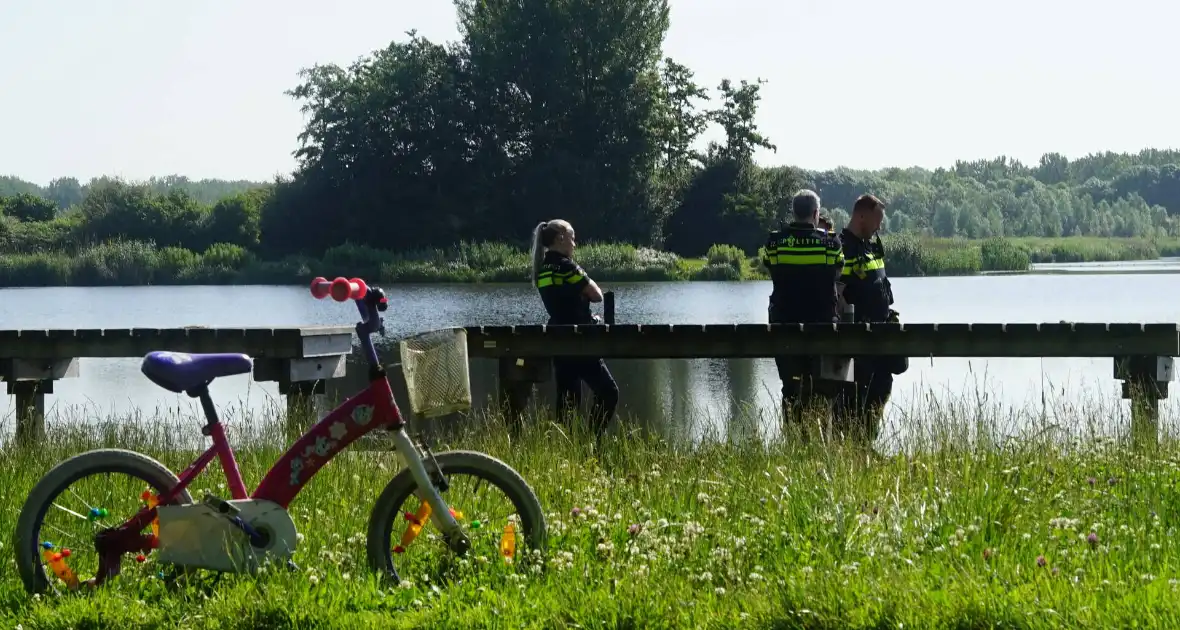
point(805, 262)
point(805, 206)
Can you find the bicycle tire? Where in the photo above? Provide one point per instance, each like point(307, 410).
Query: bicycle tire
point(25, 539)
point(387, 508)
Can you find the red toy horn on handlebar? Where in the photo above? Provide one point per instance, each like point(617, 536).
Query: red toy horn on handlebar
point(319, 288)
point(340, 289)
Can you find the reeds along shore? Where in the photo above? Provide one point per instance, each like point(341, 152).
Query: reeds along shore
point(136, 263)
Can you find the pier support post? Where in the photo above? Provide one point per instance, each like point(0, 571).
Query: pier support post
point(303, 382)
point(304, 400)
point(30, 410)
point(1145, 382)
point(516, 379)
point(29, 381)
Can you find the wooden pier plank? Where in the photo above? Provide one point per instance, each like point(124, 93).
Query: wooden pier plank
point(1017, 340)
point(260, 342)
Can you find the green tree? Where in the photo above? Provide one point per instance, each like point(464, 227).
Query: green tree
point(237, 219)
point(27, 207)
point(731, 200)
point(574, 89)
point(65, 192)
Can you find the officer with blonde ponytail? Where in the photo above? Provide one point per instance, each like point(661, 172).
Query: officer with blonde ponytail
point(567, 291)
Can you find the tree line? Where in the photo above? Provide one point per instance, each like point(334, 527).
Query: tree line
point(552, 109)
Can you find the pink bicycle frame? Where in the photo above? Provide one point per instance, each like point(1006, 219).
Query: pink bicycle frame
point(368, 410)
point(371, 409)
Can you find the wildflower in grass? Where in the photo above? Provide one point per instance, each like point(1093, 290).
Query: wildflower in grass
point(1062, 522)
point(1041, 561)
point(634, 529)
point(1092, 539)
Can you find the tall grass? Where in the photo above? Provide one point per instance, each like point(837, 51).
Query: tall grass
point(909, 255)
point(966, 528)
point(1090, 249)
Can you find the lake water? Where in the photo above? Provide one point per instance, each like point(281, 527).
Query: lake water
point(727, 396)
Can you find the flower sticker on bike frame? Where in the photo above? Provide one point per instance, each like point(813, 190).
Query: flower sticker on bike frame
point(362, 414)
point(296, 468)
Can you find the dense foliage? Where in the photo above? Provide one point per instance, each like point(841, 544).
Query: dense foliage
point(552, 109)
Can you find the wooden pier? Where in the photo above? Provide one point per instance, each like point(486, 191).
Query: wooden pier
point(1141, 354)
point(300, 359)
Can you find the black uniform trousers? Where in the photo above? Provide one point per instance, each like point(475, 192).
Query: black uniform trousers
point(860, 410)
point(569, 373)
point(795, 372)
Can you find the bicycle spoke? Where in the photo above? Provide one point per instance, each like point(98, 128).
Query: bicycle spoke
point(69, 511)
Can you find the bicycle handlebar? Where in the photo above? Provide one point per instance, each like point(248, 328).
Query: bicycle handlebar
point(370, 303)
point(341, 289)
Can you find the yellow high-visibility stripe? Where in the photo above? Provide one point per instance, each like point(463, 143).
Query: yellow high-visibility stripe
point(811, 256)
point(552, 278)
point(864, 264)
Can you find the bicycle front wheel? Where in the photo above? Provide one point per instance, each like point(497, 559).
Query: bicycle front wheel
point(507, 529)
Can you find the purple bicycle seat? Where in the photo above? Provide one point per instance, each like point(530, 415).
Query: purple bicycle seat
point(182, 372)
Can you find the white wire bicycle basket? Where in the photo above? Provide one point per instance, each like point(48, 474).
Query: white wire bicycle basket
point(436, 370)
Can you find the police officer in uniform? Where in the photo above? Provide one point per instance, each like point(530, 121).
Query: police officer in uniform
point(867, 289)
point(567, 291)
point(804, 262)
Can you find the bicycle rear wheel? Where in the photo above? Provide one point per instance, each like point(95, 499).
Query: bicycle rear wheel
point(488, 527)
point(87, 512)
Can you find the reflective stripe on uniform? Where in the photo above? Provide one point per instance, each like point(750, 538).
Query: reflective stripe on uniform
point(551, 278)
point(814, 255)
point(863, 265)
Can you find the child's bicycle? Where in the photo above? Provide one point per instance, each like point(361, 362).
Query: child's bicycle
point(168, 533)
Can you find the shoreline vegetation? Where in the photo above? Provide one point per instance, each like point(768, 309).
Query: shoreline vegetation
point(970, 526)
point(132, 263)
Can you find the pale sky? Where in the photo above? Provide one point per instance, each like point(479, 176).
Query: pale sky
point(136, 88)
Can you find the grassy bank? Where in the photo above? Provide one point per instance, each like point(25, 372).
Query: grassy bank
point(757, 534)
point(132, 263)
